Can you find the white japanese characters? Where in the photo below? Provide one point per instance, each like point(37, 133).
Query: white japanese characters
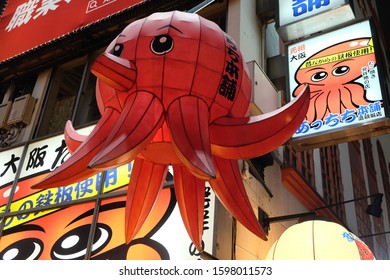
point(33, 9)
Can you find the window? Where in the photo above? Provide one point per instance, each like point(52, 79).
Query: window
point(17, 87)
point(71, 96)
point(302, 162)
point(24, 86)
point(381, 239)
point(9, 91)
point(359, 190)
point(370, 165)
point(384, 172)
point(3, 90)
point(331, 179)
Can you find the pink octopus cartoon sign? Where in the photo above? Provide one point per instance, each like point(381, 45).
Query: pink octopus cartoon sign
point(341, 70)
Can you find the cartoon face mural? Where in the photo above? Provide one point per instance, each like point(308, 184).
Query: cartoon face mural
point(173, 89)
point(333, 78)
point(63, 235)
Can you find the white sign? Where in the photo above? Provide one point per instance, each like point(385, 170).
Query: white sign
point(296, 10)
point(174, 236)
point(301, 18)
point(9, 164)
point(47, 154)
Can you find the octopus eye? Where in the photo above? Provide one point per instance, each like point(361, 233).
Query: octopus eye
point(162, 44)
point(73, 245)
point(26, 249)
point(319, 76)
point(117, 50)
point(339, 71)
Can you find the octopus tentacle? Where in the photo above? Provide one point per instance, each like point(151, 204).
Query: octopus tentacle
point(319, 106)
point(146, 182)
point(354, 95)
point(238, 138)
point(334, 101)
point(75, 168)
point(72, 138)
point(188, 120)
point(190, 192)
point(107, 96)
point(229, 188)
point(311, 111)
point(140, 119)
point(346, 98)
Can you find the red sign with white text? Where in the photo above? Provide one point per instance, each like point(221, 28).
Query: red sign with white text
point(27, 24)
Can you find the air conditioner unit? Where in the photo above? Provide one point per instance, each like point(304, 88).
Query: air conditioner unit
point(5, 109)
point(22, 110)
point(265, 9)
point(265, 96)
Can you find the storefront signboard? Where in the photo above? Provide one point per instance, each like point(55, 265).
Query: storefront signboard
point(299, 18)
point(344, 74)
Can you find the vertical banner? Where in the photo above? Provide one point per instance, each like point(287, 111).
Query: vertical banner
point(341, 69)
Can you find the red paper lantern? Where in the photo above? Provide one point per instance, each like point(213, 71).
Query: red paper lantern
point(173, 89)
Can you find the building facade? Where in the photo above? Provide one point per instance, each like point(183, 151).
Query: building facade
point(45, 80)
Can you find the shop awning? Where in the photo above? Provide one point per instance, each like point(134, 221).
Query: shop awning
point(30, 25)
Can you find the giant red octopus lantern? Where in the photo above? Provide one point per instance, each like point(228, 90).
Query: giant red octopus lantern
point(173, 89)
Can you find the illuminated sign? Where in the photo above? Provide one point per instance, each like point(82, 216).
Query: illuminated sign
point(295, 10)
point(174, 236)
point(341, 68)
point(25, 199)
point(32, 23)
point(47, 155)
point(299, 18)
point(155, 240)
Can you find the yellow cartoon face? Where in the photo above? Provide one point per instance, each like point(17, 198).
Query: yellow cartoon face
point(63, 235)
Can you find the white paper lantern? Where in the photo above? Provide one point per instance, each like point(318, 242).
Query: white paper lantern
point(319, 240)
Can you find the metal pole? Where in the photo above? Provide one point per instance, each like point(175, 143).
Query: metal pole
point(343, 202)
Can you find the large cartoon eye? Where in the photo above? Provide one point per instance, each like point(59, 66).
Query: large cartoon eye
point(161, 44)
point(117, 49)
point(26, 249)
point(73, 245)
point(339, 71)
point(319, 76)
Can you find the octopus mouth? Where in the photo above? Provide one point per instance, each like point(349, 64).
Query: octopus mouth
point(117, 72)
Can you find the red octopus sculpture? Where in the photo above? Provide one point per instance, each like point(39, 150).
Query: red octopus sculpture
point(333, 85)
point(173, 89)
